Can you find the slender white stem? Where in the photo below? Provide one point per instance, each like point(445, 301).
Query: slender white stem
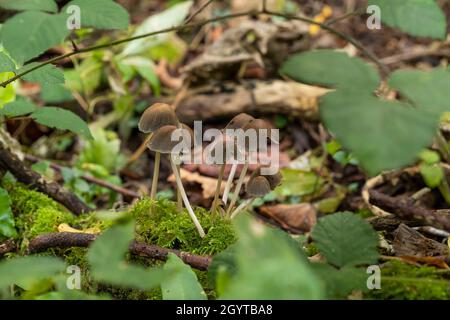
point(238, 188)
point(179, 199)
point(185, 199)
point(155, 176)
point(217, 193)
point(241, 207)
point(226, 192)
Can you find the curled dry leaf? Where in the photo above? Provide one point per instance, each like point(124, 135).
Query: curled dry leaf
point(208, 184)
point(301, 217)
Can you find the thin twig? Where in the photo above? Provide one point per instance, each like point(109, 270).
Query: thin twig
point(348, 38)
point(196, 13)
point(73, 239)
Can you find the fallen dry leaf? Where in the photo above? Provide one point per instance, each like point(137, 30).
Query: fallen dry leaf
point(208, 184)
point(296, 216)
point(438, 262)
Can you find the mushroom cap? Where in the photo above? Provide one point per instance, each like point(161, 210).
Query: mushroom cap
point(239, 121)
point(257, 124)
point(157, 116)
point(161, 140)
point(190, 132)
point(274, 179)
point(258, 186)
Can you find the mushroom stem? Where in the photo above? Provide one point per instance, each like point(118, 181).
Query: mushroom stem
point(238, 188)
point(185, 199)
point(179, 199)
point(243, 206)
point(226, 192)
point(155, 176)
point(217, 193)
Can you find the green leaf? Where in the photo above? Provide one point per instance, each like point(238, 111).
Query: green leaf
point(7, 223)
point(28, 269)
point(341, 282)
point(55, 94)
point(8, 93)
point(107, 260)
point(430, 157)
point(45, 76)
point(428, 90)
point(39, 5)
point(298, 183)
point(432, 174)
point(28, 34)
point(345, 239)
point(18, 108)
point(331, 69)
point(270, 265)
point(6, 64)
point(101, 14)
point(171, 17)
point(184, 285)
point(61, 119)
point(381, 134)
point(421, 18)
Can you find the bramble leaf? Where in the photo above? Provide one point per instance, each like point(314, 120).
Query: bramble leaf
point(28, 34)
point(61, 119)
point(346, 240)
point(421, 18)
point(331, 69)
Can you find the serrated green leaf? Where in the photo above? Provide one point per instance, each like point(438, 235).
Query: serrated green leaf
point(18, 108)
point(331, 69)
point(421, 18)
point(341, 282)
point(345, 239)
point(28, 269)
point(432, 174)
point(55, 94)
point(381, 134)
point(61, 119)
point(101, 14)
point(28, 34)
point(171, 17)
point(6, 64)
point(7, 223)
point(19, 5)
point(263, 252)
point(107, 260)
point(45, 76)
point(184, 285)
point(428, 90)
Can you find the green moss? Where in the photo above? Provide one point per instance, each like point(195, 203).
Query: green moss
point(161, 224)
point(407, 282)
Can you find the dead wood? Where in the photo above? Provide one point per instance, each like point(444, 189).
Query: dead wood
point(406, 209)
point(254, 97)
point(70, 239)
point(9, 161)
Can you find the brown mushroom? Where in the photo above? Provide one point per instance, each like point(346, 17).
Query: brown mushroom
point(255, 124)
point(155, 117)
point(162, 142)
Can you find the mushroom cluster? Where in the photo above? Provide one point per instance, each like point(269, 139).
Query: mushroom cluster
point(161, 122)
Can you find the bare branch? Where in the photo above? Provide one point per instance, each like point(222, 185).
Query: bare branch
point(69, 239)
